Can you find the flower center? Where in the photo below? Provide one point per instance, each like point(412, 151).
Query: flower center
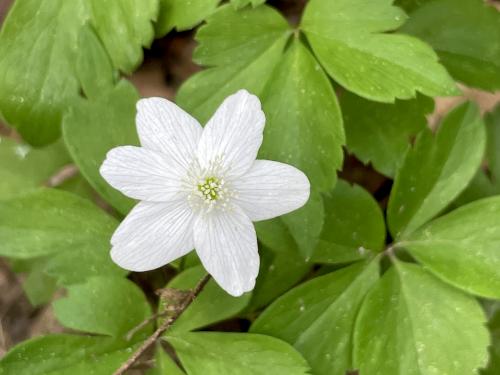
point(207, 189)
point(211, 188)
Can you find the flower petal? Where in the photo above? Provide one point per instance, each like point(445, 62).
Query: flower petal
point(142, 174)
point(234, 133)
point(271, 189)
point(164, 127)
point(152, 235)
point(226, 244)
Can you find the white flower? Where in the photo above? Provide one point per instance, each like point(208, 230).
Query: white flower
point(200, 188)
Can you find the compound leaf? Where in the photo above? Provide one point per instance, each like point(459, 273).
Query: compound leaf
point(437, 169)
point(351, 41)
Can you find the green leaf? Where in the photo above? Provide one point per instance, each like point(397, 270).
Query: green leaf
point(466, 36)
point(70, 267)
point(480, 187)
point(493, 146)
point(164, 364)
point(48, 221)
point(66, 354)
point(410, 5)
point(318, 317)
point(103, 305)
point(279, 271)
point(37, 42)
point(275, 234)
point(211, 306)
point(238, 4)
point(304, 123)
point(23, 168)
point(214, 353)
point(94, 68)
point(92, 127)
point(305, 224)
point(350, 40)
point(71, 231)
point(79, 186)
point(463, 247)
point(379, 133)
point(486, 183)
point(124, 26)
point(292, 105)
point(182, 14)
point(39, 51)
point(38, 285)
point(238, 46)
point(354, 226)
point(282, 263)
point(436, 169)
point(411, 323)
point(494, 325)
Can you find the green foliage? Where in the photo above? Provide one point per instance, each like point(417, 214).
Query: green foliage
point(410, 5)
point(305, 224)
point(164, 364)
point(238, 47)
point(318, 317)
point(39, 50)
point(493, 146)
point(212, 306)
point(282, 264)
point(238, 4)
point(462, 247)
point(23, 168)
point(103, 305)
point(71, 231)
point(133, 18)
point(38, 285)
point(214, 353)
point(378, 303)
point(298, 95)
point(412, 324)
point(182, 14)
point(92, 127)
point(409, 321)
point(494, 325)
point(466, 36)
point(66, 354)
point(354, 226)
point(95, 63)
point(117, 304)
point(292, 86)
point(379, 133)
point(436, 169)
point(35, 224)
point(280, 269)
point(350, 40)
point(486, 182)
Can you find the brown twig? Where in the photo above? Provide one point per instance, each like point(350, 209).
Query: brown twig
point(164, 326)
point(63, 174)
point(143, 324)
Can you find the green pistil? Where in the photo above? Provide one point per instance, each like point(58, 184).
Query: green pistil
point(210, 188)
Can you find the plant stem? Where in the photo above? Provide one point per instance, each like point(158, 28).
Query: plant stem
point(140, 326)
point(164, 326)
point(63, 174)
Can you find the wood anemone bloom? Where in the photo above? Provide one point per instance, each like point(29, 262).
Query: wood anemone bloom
point(200, 188)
